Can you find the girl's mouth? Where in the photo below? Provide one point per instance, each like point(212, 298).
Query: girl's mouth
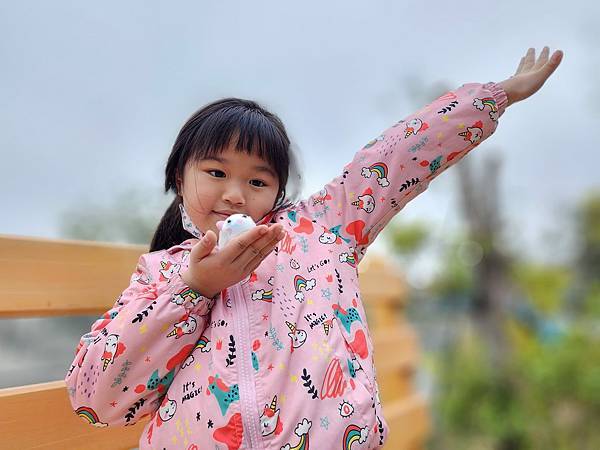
point(221, 215)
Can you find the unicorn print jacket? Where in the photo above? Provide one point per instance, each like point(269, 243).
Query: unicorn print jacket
point(283, 359)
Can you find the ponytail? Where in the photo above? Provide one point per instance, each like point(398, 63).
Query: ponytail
point(170, 231)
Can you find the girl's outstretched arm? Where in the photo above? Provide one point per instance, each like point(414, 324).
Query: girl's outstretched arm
point(399, 164)
point(124, 366)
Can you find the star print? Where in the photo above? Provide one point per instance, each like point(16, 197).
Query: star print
point(197, 417)
point(265, 317)
point(210, 423)
point(382, 199)
point(143, 329)
point(280, 267)
point(326, 293)
point(460, 125)
point(125, 389)
point(147, 359)
point(444, 118)
point(271, 367)
point(325, 422)
point(293, 378)
point(339, 213)
point(113, 403)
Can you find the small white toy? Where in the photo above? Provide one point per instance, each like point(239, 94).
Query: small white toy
point(233, 226)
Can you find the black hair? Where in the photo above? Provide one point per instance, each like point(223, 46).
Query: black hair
point(247, 126)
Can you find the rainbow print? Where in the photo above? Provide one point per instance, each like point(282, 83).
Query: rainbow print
point(302, 443)
point(89, 416)
point(352, 434)
point(379, 169)
point(351, 260)
point(489, 101)
point(202, 342)
point(299, 282)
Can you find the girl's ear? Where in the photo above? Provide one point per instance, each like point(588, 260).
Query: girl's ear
point(178, 184)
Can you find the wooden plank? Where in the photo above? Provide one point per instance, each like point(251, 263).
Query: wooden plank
point(40, 416)
point(380, 281)
point(396, 356)
point(59, 278)
point(408, 422)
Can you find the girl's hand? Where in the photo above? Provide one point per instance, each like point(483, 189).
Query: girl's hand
point(210, 271)
point(531, 74)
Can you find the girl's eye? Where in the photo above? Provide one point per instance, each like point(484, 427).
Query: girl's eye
point(262, 184)
point(219, 172)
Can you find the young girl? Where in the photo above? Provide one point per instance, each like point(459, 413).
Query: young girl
point(264, 343)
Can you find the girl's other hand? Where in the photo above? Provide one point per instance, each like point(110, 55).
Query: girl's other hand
point(211, 271)
point(531, 74)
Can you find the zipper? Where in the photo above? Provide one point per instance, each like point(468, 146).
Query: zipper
point(246, 381)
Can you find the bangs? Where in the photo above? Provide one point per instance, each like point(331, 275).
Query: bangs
point(244, 129)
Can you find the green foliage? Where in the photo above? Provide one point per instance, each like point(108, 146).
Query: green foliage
point(588, 237)
point(548, 397)
point(407, 239)
point(544, 285)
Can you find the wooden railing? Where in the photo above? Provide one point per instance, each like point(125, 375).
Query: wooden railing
point(43, 278)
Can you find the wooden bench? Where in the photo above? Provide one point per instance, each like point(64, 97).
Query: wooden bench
point(44, 278)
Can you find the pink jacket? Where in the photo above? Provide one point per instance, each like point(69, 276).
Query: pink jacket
point(285, 358)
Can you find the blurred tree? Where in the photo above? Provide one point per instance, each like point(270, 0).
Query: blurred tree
point(493, 289)
point(131, 218)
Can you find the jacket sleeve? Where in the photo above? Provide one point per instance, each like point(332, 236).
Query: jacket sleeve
point(124, 366)
point(399, 164)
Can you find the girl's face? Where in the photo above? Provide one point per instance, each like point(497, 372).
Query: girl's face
point(228, 183)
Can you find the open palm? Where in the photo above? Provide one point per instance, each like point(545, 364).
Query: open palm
point(531, 74)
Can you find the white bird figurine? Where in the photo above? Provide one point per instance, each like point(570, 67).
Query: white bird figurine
point(233, 226)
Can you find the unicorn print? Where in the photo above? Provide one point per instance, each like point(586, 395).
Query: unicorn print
point(298, 336)
point(269, 420)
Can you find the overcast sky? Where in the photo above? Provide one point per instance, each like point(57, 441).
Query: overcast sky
point(93, 95)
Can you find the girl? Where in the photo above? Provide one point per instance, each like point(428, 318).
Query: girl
point(264, 344)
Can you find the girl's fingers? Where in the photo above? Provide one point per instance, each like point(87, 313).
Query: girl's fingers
point(549, 68)
point(204, 246)
point(242, 242)
point(255, 261)
point(520, 68)
point(260, 249)
point(543, 58)
point(529, 59)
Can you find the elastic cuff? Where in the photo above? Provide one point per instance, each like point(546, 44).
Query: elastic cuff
point(191, 299)
point(499, 96)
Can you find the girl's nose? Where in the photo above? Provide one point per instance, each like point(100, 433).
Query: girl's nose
point(234, 194)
